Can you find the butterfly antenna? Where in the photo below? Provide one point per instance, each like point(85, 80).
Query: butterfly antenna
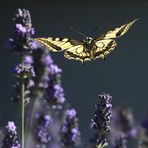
point(78, 32)
point(93, 31)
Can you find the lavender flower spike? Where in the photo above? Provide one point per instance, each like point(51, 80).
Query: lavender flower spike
point(70, 132)
point(22, 39)
point(10, 136)
point(143, 136)
point(120, 142)
point(101, 121)
point(23, 44)
point(42, 131)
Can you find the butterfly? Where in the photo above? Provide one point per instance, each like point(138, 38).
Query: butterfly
point(89, 49)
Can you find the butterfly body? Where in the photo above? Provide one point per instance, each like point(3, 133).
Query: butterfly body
point(90, 48)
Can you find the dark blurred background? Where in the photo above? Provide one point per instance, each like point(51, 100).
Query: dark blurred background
point(124, 74)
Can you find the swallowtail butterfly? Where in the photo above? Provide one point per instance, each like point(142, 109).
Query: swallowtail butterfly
point(90, 48)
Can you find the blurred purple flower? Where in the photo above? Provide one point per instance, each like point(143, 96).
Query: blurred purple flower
point(120, 142)
point(55, 70)
point(28, 59)
point(47, 60)
point(11, 127)
point(70, 131)
point(10, 136)
point(24, 71)
point(58, 93)
point(55, 91)
point(123, 121)
point(143, 136)
point(48, 77)
point(33, 45)
point(42, 61)
point(42, 129)
point(144, 124)
point(70, 113)
point(101, 121)
point(21, 30)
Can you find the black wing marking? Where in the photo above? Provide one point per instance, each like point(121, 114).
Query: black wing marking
point(57, 44)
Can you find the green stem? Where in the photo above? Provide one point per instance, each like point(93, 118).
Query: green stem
point(22, 110)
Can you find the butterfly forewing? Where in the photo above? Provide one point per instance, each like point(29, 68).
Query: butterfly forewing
point(55, 44)
point(117, 32)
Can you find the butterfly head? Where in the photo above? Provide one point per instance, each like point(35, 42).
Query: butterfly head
point(88, 40)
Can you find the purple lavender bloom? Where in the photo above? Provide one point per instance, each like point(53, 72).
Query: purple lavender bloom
point(21, 41)
point(47, 60)
point(120, 142)
point(48, 83)
point(70, 131)
point(101, 121)
point(42, 61)
point(123, 120)
point(33, 45)
point(21, 30)
point(28, 59)
point(58, 94)
point(10, 136)
point(70, 113)
point(48, 78)
point(16, 97)
point(143, 136)
point(144, 124)
point(55, 70)
point(24, 71)
point(55, 91)
point(42, 130)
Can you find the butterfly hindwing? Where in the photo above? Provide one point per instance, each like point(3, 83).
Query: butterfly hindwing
point(57, 44)
point(104, 47)
point(77, 53)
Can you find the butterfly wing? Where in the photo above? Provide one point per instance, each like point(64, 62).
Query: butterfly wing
point(57, 44)
point(104, 47)
point(73, 48)
point(117, 32)
point(77, 53)
point(106, 43)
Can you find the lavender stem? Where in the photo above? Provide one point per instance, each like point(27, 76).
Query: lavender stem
point(23, 107)
point(30, 122)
